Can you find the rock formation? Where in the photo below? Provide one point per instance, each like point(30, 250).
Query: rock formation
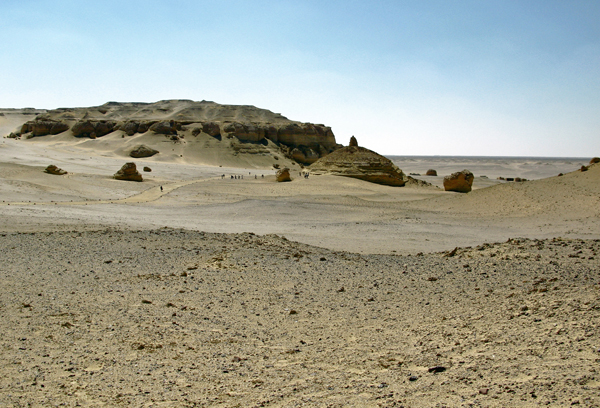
point(304, 142)
point(595, 160)
point(147, 169)
point(44, 127)
point(143, 151)
point(283, 175)
point(461, 181)
point(361, 163)
point(93, 128)
point(128, 172)
point(52, 169)
point(353, 142)
point(431, 172)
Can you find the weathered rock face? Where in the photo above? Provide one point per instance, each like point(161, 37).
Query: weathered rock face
point(93, 128)
point(360, 163)
point(431, 172)
point(52, 169)
point(244, 132)
point(304, 155)
point(283, 175)
point(128, 172)
point(211, 129)
point(44, 127)
point(461, 181)
point(164, 128)
point(306, 134)
point(172, 117)
point(143, 151)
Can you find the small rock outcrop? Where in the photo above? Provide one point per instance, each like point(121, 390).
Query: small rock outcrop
point(128, 172)
point(211, 129)
point(595, 160)
point(93, 128)
point(44, 127)
point(431, 172)
point(164, 128)
point(283, 175)
point(361, 163)
point(52, 169)
point(147, 169)
point(143, 151)
point(460, 182)
point(353, 142)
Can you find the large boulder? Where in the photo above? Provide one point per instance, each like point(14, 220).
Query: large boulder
point(460, 182)
point(211, 129)
point(52, 169)
point(130, 127)
point(431, 172)
point(143, 151)
point(283, 175)
point(83, 128)
point(164, 128)
point(361, 163)
point(128, 172)
point(595, 160)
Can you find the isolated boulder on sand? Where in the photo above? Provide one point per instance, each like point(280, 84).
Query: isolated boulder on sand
point(460, 182)
point(283, 175)
point(431, 172)
point(361, 163)
point(143, 151)
point(52, 169)
point(128, 172)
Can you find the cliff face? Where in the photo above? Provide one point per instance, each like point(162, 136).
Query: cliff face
point(304, 142)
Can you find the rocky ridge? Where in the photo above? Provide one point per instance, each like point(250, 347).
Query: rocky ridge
point(175, 119)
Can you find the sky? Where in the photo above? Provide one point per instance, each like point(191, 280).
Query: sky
point(424, 77)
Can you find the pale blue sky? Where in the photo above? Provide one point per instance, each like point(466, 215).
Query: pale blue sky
point(498, 77)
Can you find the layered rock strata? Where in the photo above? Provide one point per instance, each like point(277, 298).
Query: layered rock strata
point(304, 142)
point(361, 163)
point(128, 173)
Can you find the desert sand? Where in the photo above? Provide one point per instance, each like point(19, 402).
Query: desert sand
point(325, 291)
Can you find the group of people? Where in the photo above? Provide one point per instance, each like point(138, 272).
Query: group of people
point(240, 177)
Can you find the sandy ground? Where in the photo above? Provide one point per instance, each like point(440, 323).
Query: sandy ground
point(320, 292)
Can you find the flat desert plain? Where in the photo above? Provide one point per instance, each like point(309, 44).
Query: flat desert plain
point(193, 289)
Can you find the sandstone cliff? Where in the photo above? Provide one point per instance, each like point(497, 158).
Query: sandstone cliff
point(176, 119)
